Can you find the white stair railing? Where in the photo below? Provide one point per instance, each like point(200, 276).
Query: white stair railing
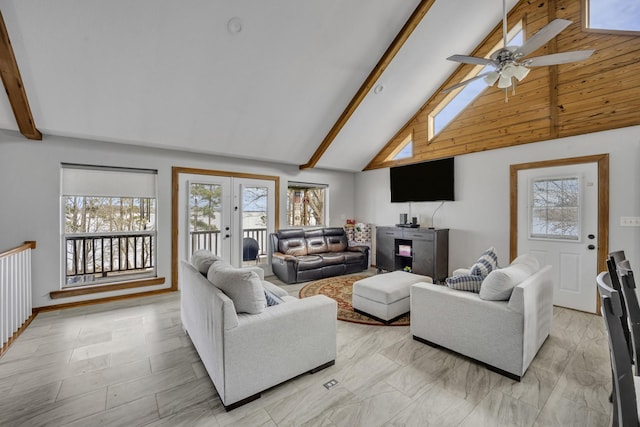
point(15, 292)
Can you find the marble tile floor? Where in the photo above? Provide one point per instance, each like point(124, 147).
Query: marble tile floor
point(129, 363)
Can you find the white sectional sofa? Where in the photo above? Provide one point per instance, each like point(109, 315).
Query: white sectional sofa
point(504, 335)
point(243, 353)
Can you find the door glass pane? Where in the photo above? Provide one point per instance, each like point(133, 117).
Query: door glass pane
point(205, 215)
point(555, 208)
point(254, 225)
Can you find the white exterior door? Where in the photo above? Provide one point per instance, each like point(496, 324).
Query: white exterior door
point(558, 223)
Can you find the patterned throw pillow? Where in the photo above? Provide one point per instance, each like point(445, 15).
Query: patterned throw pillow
point(487, 262)
point(272, 299)
point(466, 282)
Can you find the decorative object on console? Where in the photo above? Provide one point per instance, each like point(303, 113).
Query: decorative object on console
point(429, 254)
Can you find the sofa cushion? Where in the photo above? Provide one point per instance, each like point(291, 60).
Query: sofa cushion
point(487, 262)
point(309, 262)
point(202, 260)
point(316, 245)
point(243, 287)
point(353, 257)
point(336, 239)
point(465, 282)
point(499, 284)
point(295, 246)
point(331, 258)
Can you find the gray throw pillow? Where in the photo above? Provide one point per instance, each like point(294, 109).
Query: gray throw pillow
point(272, 299)
point(487, 262)
point(499, 284)
point(244, 287)
point(465, 282)
point(202, 260)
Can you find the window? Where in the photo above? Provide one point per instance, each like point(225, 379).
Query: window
point(555, 208)
point(616, 15)
point(459, 99)
point(404, 150)
point(306, 204)
point(109, 224)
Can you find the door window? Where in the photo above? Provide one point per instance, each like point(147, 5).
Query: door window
point(555, 208)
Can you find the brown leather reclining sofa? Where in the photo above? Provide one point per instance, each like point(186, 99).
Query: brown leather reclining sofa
point(299, 256)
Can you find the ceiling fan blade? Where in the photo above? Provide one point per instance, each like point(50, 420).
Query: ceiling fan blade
point(545, 34)
point(558, 58)
point(466, 59)
point(456, 86)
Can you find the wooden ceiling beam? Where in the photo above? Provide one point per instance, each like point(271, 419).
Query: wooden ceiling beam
point(395, 46)
point(13, 85)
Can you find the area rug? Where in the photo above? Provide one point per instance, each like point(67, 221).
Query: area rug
point(339, 288)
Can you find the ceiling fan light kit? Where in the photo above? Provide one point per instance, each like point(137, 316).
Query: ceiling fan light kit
point(509, 62)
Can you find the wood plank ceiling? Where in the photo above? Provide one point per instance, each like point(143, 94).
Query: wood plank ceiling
point(572, 99)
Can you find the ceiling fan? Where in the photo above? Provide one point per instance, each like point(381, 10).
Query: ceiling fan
point(509, 62)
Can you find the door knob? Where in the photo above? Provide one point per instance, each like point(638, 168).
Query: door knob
point(591, 247)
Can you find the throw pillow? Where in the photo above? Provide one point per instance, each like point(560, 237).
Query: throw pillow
point(487, 262)
point(243, 287)
point(272, 299)
point(202, 260)
point(467, 282)
point(499, 284)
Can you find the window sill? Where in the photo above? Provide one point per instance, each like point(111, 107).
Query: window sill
point(86, 290)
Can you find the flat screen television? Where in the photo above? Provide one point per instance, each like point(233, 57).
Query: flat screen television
point(423, 182)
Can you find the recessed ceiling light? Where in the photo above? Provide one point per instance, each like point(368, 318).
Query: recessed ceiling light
point(378, 89)
point(234, 25)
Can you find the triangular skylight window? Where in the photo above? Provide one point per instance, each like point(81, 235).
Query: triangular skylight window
point(459, 99)
point(404, 150)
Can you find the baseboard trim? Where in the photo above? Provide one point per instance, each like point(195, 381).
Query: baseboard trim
point(17, 333)
point(102, 300)
point(486, 365)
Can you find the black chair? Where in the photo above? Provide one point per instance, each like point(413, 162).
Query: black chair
point(612, 266)
point(250, 249)
point(625, 411)
point(633, 308)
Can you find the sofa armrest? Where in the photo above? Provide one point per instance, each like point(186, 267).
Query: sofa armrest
point(358, 248)
point(284, 257)
point(533, 298)
point(259, 271)
point(280, 343)
point(285, 267)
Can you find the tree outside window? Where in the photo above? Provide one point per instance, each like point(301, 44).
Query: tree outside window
point(306, 205)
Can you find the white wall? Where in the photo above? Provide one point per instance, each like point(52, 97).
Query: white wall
point(30, 196)
point(479, 217)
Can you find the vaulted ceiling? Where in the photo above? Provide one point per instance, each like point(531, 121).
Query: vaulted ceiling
point(253, 79)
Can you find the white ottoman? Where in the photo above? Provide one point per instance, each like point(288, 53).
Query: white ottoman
point(385, 297)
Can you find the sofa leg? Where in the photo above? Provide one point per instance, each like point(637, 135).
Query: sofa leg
point(321, 367)
point(239, 403)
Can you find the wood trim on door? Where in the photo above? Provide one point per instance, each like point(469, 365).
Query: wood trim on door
point(603, 203)
point(175, 186)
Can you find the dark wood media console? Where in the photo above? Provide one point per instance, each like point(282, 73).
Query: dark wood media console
point(424, 250)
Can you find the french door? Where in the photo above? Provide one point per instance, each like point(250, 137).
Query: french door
point(230, 216)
